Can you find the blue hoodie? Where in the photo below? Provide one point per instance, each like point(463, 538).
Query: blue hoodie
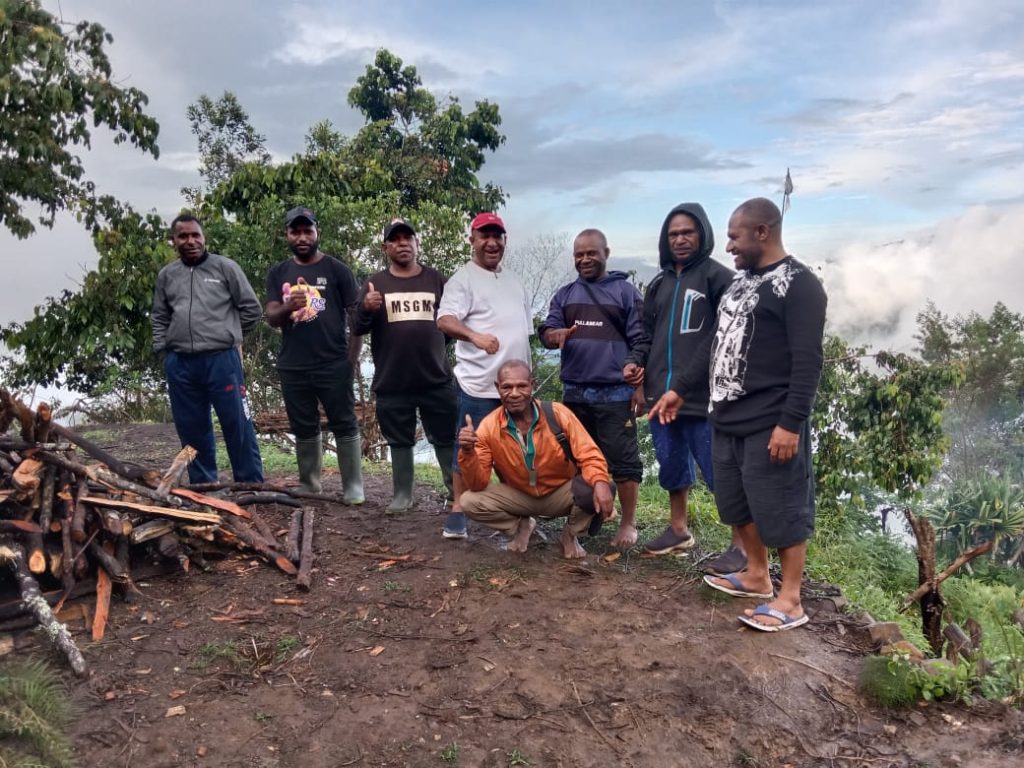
point(679, 315)
point(595, 354)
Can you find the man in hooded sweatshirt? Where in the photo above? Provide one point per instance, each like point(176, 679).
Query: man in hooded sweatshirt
point(596, 321)
point(679, 309)
point(310, 298)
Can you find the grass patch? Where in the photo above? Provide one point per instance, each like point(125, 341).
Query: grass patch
point(450, 754)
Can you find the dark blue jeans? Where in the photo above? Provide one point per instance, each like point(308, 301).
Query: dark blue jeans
point(196, 382)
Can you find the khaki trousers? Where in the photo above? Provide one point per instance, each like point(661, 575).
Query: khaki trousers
point(502, 507)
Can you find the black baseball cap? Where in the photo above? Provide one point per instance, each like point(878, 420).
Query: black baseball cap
point(396, 224)
point(299, 212)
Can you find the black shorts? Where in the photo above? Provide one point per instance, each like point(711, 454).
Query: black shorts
point(777, 498)
point(613, 427)
point(396, 415)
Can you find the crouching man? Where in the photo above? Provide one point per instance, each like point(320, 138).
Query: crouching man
point(535, 472)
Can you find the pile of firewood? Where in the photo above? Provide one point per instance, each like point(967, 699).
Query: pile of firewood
point(81, 524)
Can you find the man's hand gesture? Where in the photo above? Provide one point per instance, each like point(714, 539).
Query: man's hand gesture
point(373, 300)
point(667, 408)
point(782, 445)
point(486, 342)
point(467, 436)
point(633, 374)
point(604, 502)
point(557, 337)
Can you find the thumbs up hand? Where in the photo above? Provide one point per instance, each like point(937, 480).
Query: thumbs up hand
point(373, 300)
point(467, 436)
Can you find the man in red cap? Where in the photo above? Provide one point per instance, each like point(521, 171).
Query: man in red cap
point(486, 309)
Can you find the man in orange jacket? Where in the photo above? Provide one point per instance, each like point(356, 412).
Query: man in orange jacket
point(518, 444)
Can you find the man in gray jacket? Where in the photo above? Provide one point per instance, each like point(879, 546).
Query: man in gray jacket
point(202, 305)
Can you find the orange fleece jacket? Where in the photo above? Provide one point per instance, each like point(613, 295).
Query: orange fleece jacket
point(498, 450)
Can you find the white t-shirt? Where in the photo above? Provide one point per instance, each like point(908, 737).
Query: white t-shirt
point(487, 302)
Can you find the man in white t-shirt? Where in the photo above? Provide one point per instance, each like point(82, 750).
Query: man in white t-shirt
point(485, 308)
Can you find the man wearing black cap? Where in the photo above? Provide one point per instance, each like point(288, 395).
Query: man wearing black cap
point(410, 360)
point(309, 297)
point(487, 310)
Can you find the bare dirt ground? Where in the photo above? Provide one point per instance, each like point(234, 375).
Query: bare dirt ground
point(415, 651)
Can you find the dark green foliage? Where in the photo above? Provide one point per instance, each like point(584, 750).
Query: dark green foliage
point(56, 82)
point(34, 715)
point(891, 686)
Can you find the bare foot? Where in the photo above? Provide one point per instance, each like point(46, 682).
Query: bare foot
point(626, 537)
point(571, 548)
point(522, 538)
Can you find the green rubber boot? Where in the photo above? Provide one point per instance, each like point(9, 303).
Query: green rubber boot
point(445, 456)
point(309, 455)
point(402, 474)
point(350, 462)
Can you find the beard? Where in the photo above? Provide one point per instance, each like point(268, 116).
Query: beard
point(307, 252)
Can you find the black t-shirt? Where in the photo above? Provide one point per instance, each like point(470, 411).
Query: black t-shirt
point(317, 337)
point(408, 349)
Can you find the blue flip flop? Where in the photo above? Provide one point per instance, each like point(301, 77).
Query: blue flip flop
point(788, 622)
point(737, 589)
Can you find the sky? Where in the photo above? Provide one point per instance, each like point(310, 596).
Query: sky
point(902, 124)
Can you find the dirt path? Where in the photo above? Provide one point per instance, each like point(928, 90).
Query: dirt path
point(416, 651)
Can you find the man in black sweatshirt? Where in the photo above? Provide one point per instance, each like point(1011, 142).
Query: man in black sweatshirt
point(410, 359)
point(679, 320)
point(766, 361)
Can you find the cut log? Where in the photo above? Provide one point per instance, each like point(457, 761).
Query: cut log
point(46, 502)
point(306, 557)
point(252, 539)
point(211, 501)
point(21, 412)
point(103, 475)
point(154, 529)
point(18, 526)
point(174, 472)
point(294, 536)
point(43, 423)
point(249, 499)
point(270, 487)
point(124, 469)
point(264, 530)
point(78, 518)
point(148, 509)
point(27, 476)
point(12, 557)
point(35, 553)
point(67, 557)
point(99, 617)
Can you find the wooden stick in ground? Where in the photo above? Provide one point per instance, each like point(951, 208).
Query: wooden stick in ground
point(294, 534)
point(14, 559)
point(953, 567)
point(68, 555)
point(174, 472)
point(248, 536)
point(306, 557)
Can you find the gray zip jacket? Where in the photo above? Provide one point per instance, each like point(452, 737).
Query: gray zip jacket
point(203, 308)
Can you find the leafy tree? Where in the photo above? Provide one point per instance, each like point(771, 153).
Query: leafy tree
point(412, 144)
point(226, 139)
point(55, 80)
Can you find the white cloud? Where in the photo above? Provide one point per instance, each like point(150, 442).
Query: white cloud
point(965, 263)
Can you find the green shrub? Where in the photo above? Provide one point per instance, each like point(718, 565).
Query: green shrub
point(34, 715)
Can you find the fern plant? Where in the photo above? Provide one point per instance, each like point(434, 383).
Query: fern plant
point(34, 714)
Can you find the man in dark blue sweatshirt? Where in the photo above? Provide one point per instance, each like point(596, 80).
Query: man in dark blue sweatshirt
point(766, 361)
point(596, 322)
point(679, 318)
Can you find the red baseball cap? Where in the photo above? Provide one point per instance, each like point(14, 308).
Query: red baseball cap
point(487, 220)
